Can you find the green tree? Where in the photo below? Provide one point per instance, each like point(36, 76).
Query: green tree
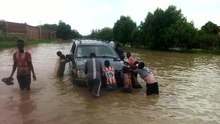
point(123, 29)
point(105, 34)
point(181, 34)
point(94, 34)
point(63, 30)
point(75, 34)
point(207, 41)
point(49, 26)
point(136, 37)
point(210, 28)
point(158, 25)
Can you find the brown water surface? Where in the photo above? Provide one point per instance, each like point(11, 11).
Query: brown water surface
point(189, 92)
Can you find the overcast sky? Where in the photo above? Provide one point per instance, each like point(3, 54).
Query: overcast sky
point(85, 15)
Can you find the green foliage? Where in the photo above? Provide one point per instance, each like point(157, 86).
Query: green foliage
point(105, 34)
point(181, 34)
point(5, 37)
point(123, 29)
point(161, 29)
point(12, 43)
point(63, 30)
point(7, 44)
point(49, 26)
point(136, 37)
point(75, 34)
point(210, 28)
point(94, 34)
point(207, 41)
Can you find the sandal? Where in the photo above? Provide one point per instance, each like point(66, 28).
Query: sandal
point(8, 81)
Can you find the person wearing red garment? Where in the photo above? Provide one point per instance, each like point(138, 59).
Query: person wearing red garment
point(23, 64)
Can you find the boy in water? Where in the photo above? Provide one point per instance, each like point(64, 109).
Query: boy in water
point(127, 80)
point(135, 83)
point(147, 75)
point(119, 51)
point(109, 74)
point(131, 60)
point(23, 64)
point(62, 63)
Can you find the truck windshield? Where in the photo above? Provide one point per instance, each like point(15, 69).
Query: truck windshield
point(100, 51)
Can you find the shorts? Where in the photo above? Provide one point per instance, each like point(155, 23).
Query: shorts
point(111, 87)
point(152, 89)
point(24, 81)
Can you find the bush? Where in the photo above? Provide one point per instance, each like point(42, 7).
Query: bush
point(8, 38)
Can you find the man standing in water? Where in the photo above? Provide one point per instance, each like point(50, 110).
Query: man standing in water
point(119, 51)
point(62, 63)
point(23, 64)
point(93, 71)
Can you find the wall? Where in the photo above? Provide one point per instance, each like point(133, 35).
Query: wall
point(27, 32)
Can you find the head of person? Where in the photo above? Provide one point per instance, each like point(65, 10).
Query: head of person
point(128, 54)
point(59, 53)
point(20, 45)
point(141, 65)
point(92, 55)
point(117, 45)
point(107, 63)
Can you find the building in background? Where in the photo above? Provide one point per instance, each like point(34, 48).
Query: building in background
point(25, 31)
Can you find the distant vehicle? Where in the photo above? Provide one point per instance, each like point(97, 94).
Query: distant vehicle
point(80, 52)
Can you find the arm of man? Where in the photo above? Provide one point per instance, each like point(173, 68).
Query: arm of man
point(28, 55)
point(67, 60)
point(32, 69)
point(126, 63)
point(135, 71)
point(13, 69)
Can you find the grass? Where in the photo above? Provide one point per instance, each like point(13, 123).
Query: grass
point(30, 42)
point(11, 44)
point(7, 44)
point(193, 51)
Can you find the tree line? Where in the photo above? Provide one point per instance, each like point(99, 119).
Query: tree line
point(161, 30)
point(63, 30)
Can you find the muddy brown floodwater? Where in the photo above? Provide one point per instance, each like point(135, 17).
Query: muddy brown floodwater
point(189, 92)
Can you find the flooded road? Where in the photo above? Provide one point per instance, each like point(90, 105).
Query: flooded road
point(189, 92)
